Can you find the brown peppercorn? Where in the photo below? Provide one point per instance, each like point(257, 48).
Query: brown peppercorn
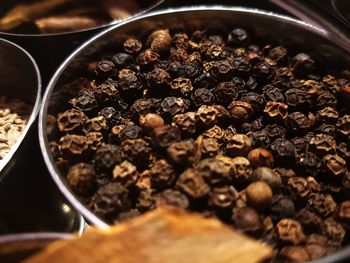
point(328, 115)
point(343, 125)
point(343, 212)
point(276, 110)
point(132, 45)
point(82, 179)
point(323, 204)
point(145, 201)
point(309, 220)
point(214, 132)
point(162, 174)
point(150, 121)
point(298, 187)
point(165, 135)
point(334, 164)
point(94, 140)
point(181, 153)
point(333, 230)
point(290, 231)
point(238, 145)
point(158, 80)
point(207, 115)
point(171, 197)
point(105, 93)
point(207, 147)
point(148, 57)
point(174, 105)
point(107, 157)
point(126, 73)
point(186, 123)
point(96, 124)
point(71, 120)
point(294, 254)
point(181, 86)
point(110, 200)
point(214, 171)
point(125, 174)
point(247, 220)
point(137, 152)
point(143, 182)
point(159, 40)
point(193, 184)
point(322, 143)
point(240, 110)
point(313, 185)
point(259, 195)
point(223, 198)
point(268, 176)
point(73, 146)
point(241, 169)
point(260, 157)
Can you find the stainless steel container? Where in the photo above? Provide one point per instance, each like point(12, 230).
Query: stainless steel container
point(49, 50)
point(280, 29)
point(18, 247)
point(19, 78)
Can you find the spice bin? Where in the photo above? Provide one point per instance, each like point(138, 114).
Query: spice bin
point(50, 49)
point(17, 247)
point(20, 79)
point(279, 29)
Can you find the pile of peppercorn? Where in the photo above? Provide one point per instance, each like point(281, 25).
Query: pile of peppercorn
point(251, 134)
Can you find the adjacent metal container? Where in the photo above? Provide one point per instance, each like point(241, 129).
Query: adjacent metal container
point(19, 78)
point(277, 28)
point(49, 50)
point(18, 247)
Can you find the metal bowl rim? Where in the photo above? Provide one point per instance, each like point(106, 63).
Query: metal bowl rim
point(35, 109)
point(10, 238)
point(106, 25)
point(59, 180)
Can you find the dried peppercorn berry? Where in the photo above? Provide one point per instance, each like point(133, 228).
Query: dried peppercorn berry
point(259, 195)
point(192, 184)
point(260, 157)
point(171, 197)
point(223, 198)
point(132, 45)
point(81, 178)
point(110, 200)
point(136, 151)
point(238, 145)
point(224, 124)
point(107, 157)
point(247, 220)
point(125, 173)
point(71, 120)
point(290, 231)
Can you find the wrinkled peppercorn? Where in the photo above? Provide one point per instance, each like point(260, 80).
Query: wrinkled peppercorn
point(192, 184)
point(172, 198)
point(290, 231)
point(71, 120)
point(223, 198)
point(107, 157)
point(238, 145)
point(81, 178)
point(110, 200)
point(240, 110)
point(125, 174)
point(165, 135)
point(136, 151)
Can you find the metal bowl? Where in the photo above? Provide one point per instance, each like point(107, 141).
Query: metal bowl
point(280, 29)
point(20, 78)
point(49, 50)
point(18, 247)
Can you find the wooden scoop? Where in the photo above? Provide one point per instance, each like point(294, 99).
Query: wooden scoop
point(165, 235)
